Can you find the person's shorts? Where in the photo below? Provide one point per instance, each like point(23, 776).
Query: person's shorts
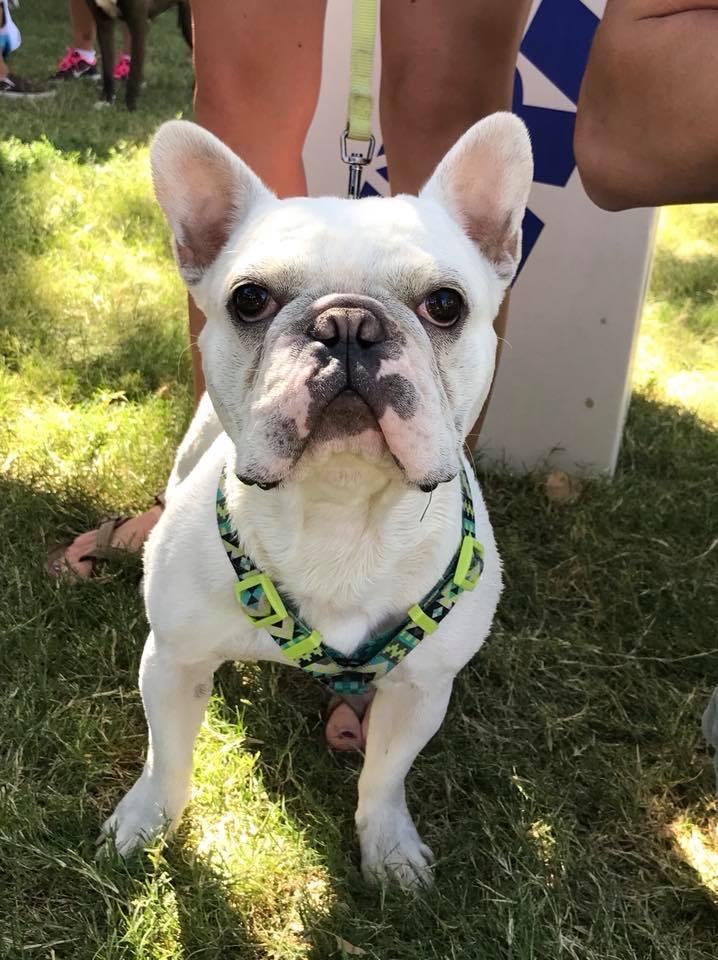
point(10, 38)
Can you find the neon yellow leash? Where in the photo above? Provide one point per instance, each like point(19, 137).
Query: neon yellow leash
point(359, 109)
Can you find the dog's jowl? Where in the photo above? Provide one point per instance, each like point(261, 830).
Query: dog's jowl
point(348, 350)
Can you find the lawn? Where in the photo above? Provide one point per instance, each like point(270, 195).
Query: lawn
point(569, 795)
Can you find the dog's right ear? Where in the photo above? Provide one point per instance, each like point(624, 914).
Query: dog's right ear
point(204, 190)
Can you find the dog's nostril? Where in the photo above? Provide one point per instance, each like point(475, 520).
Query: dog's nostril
point(325, 329)
point(369, 331)
point(348, 324)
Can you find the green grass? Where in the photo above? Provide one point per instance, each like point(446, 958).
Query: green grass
point(569, 795)
point(677, 351)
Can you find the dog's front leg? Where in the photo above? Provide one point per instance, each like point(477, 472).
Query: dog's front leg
point(106, 39)
point(137, 24)
point(403, 719)
point(175, 699)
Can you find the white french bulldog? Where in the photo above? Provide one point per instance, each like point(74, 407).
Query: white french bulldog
point(348, 349)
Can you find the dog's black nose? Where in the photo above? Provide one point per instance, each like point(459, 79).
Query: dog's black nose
point(354, 326)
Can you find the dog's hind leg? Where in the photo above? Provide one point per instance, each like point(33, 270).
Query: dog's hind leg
point(404, 717)
point(175, 698)
point(184, 20)
point(137, 24)
point(106, 42)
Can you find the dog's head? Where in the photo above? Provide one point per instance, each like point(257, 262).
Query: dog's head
point(343, 326)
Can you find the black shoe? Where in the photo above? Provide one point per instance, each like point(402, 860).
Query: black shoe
point(19, 89)
point(73, 66)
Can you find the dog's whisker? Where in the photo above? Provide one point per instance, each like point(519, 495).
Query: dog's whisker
point(428, 504)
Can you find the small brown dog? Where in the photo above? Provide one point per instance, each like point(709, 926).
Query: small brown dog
point(136, 14)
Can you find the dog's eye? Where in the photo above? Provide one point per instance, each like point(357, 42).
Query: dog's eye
point(442, 307)
point(251, 302)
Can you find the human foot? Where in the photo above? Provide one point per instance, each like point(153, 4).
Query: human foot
point(77, 559)
point(347, 725)
point(18, 88)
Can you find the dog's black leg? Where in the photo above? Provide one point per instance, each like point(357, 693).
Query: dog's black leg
point(184, 19)
point(106, 43)
point(137, 24)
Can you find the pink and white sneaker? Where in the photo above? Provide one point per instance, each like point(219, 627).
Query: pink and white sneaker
point(122, 67)
point(73, 66)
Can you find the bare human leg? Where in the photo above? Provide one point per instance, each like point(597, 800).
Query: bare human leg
point(82, 25)
point(258, 67)
point(444, 66)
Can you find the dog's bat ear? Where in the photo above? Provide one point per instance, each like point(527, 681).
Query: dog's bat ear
point(484, 183)
point(204, 190)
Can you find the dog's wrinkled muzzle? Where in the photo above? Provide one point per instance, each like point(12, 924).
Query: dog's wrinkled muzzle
point(355, 342)
point(345, 375)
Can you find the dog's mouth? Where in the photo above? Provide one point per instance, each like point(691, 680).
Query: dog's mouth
point(345, 425)
point(347, 422)
point(348, 414)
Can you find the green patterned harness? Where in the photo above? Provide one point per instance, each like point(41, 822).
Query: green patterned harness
point(263, 606)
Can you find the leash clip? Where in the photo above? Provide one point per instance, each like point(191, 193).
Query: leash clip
point(355, 161)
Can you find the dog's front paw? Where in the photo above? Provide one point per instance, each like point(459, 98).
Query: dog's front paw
point(140, 816)
point(393, 852)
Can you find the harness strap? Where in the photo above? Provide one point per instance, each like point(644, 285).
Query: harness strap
point(266, 608)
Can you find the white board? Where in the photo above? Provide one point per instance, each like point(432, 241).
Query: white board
point(562, 388)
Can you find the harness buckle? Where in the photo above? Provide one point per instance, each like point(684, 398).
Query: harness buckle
point(470, 564)
point(259, 600)
point(303, 647)
point(422, 619)
point(355, 161)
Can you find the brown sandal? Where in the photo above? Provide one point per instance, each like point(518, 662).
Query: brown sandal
point(347, 721)
point(58, 566)
point(103, 549)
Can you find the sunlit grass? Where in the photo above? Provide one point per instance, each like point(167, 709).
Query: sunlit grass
point(677, 355)
point(152, 926)
point(699, 847)
point(93, 384)
point(246, 837)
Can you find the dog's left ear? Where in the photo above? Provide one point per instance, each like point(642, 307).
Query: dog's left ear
point(484, 183)
point(204, 190)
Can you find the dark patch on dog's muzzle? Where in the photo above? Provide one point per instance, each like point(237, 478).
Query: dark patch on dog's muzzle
point(358, 334)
